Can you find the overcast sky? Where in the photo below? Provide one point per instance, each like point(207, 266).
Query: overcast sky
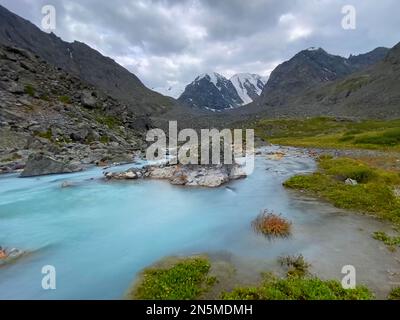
point(170, 42)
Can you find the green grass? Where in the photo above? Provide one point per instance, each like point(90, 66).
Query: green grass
point(109, 121)
point(44, 97)
point(30, 90)
point(374, 193)
point(352, 84)
point(185, 279)
point(104, 139)
point(325, 132)
point(65, 99)
point(386, 239)
point(297, 265)
point(388, 138)
point(297, 288)
point(394, 294)
point(46, 134)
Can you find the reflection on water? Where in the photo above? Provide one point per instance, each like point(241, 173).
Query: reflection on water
point(99, 234)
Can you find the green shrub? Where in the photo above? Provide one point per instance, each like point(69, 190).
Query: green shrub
point(295, 288)
point(394, 294)
point(108, 121)
point(297, 265)
point(65, 99)
point(46, 134)
point(386, 239)
point(272, 225)
point(187, 279)
point(104, 139)
point(45, 97)
point(30, 90)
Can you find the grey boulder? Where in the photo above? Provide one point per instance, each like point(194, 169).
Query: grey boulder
point(40, 164)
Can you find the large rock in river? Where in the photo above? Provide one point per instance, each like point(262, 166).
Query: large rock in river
point(187, 175)
point(39, 164)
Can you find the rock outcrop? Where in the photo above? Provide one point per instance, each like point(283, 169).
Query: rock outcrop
point(40, 164)
point(186, 175)
point(44, 109)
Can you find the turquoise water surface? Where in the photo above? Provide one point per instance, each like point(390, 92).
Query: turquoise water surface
point(99, 234)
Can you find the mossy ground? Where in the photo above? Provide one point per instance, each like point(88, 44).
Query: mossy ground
point(298, 288)
point(394, 294)
point(189, 279)
point(325, 132)
point(392, 242)
point(65, 99)
point(374, 193)
point(174, 279)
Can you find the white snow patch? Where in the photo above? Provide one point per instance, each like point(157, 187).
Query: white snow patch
point(213, 77)
point(242, 80)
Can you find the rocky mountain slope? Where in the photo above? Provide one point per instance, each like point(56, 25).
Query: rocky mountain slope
point(216, 93)
point(82, 61)
point(45, 109)
point(310, 68)
point(371, 93)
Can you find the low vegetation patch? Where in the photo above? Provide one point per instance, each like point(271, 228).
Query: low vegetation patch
point(65, 99)
point(298, 288)
point(272, 225)
point(183, 279)
point(394, 294)
point(323, 132)
point(297, 265)
point(392, 242)
point(373, 194)
point(387, 138)
point(353, 84)
point(45, 134)
point(109, 121)
point(104, 139)
point(29, 90)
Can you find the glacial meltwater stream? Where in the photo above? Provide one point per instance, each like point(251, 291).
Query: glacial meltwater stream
point(99, 235)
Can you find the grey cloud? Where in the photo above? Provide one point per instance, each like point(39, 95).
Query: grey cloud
point(167, 41)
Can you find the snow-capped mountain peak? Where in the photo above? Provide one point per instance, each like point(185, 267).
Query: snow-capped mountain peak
point(213, 77)
point(213, 91)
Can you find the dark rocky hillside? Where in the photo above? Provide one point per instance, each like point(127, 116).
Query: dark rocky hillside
point(372, 93)
point(363, 86)
point(84, 62)
point(310, 68)
point(45, 109)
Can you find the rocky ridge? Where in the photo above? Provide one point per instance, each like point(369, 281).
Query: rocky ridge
point(45, 109)
point(82, 61)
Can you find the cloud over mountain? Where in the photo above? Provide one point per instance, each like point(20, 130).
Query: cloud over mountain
point(166, 43)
